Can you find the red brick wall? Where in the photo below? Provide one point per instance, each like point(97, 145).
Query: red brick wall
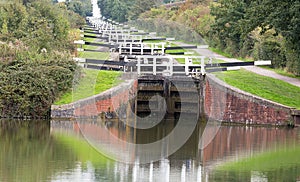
point(229, 104)
point(109, 100)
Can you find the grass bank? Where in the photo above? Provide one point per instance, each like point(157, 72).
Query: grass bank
point(91, 83)
point(265, 87)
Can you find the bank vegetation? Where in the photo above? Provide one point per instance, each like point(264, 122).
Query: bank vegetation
point(36, 47)
point(260, 30)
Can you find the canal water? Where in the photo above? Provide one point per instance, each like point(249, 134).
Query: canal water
point(79, 151)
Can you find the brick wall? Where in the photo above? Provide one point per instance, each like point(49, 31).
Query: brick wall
point(110, 100)
point(226, 103)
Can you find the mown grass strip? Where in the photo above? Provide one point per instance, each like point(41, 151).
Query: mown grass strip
point(90, 34)
point(94, 55)
point(229, 55)
point(92, 82)
point(89, 39)
point(265, 87)
point(90, 47)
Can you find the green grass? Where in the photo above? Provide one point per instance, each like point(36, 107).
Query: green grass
point(218, 51)
point(154, 41)
point(90, 47)
point(94, 55)
point(88, 39)
point(271, 160)
point(265, 87)
point(89, 34)
point(93, 82)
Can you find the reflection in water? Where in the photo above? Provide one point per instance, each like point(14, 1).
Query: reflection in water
point(28, 152)
point(36, 151)
point(189, 163)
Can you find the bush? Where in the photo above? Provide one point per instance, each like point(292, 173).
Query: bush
point(31, 81)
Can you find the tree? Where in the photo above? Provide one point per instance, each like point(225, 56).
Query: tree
point(284, 18)
point(124, 10)
point(141, 6)
point(226, 30)
point(81, 7)
point(32, 79)
point(237, 21)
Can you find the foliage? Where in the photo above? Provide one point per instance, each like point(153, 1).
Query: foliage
point(196, 17)
point(227, 25)
point(36, 42)
point(170, 29)
point(30, 82)
point(124, 10)
point(39, 25)
point(81, 7)
point(262, 29)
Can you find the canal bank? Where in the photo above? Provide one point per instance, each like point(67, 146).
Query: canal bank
point(105, 104)
point(211, 96)
point(237, 106)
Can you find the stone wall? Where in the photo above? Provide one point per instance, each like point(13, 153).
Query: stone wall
point(229, 104)
point(109, 101)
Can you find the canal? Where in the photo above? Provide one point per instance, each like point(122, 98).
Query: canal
point(110, 151)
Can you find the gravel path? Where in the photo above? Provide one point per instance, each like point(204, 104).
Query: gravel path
point(254, 69)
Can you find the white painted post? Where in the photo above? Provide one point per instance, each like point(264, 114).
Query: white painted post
point(120, 49)
point(186, 66)
point(125, 38)
point(142, 49)
point(202, 66)
point(154, 66)
point(171, 61)
point(234, 68)
point(130, 48)
point(139, 66)
point(152, 49)
point(109, 37)
point(261, 62)
point(163, 49)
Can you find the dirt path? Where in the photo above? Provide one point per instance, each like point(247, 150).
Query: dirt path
point(254, 69)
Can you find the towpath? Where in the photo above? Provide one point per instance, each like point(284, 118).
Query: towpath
point(258, 70)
